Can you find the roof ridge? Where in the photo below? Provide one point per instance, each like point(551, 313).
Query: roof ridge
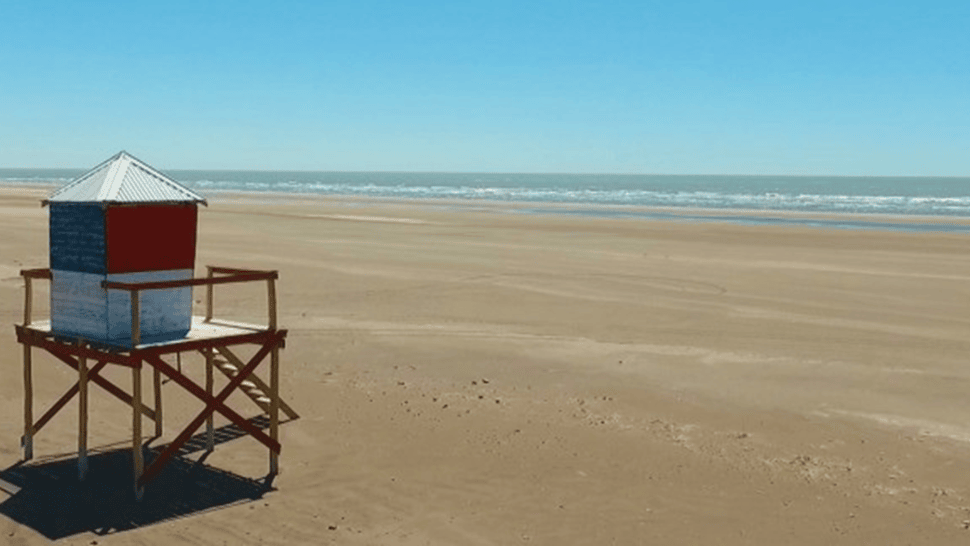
point(114, 178)
point(97, 168)
point(162, 177)
point(124, 178)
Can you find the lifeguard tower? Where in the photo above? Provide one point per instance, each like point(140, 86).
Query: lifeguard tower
point(122, 260)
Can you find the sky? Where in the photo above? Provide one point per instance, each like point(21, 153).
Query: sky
point(842, 87)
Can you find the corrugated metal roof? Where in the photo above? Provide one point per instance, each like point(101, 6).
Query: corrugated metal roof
point(124, 179)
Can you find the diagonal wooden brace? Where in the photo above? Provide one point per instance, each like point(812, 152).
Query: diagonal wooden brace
point(236, 361)
point(199, 393)
point(63, 400)
point(213, 404)
point(64, 356)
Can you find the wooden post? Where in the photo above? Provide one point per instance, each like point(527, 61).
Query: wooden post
point(158, 402)
point(28, 301)
point(210, 435)
point(271, 289)
point(135, 320)
point(274, 407)
point(136, 453)
point(28, 405)
point(82, 412)
point(208, 296)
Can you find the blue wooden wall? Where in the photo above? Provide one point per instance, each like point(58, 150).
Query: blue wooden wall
point(77, 237)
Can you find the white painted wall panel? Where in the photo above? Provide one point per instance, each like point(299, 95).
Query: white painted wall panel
point(165, 314)
point(80, 307)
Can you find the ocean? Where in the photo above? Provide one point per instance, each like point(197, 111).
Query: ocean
point(764, 199)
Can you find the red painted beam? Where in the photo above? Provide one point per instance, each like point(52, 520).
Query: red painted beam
point(157, 285)
point(212, 404)
point(237, 271)
point(64, 399)
point(255, 337)
point(36, 273)
point(29, 336)
point(66, 357)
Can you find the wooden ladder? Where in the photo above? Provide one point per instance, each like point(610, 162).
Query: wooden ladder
point(253, 386)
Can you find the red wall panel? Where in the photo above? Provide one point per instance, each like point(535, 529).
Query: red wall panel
point(150, 237)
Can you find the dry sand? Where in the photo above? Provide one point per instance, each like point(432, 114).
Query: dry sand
point(478, 377)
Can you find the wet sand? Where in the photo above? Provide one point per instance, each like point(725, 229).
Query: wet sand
point(480, 377)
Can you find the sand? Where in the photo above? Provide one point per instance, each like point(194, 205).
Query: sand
point(473, 376)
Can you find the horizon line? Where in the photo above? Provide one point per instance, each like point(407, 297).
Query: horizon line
point(499, 173)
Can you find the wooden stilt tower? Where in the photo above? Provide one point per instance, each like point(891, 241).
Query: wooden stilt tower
point(122, 253)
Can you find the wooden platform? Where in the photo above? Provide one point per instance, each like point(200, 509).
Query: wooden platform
point(202, 330)
point(217, 340)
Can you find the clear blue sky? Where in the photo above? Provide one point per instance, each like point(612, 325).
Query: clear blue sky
point(868, 87)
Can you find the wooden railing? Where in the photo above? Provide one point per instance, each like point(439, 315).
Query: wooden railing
point(29, 275)
point(215, 275)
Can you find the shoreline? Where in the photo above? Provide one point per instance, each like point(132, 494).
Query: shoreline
point(756, 217)
point(779, 218)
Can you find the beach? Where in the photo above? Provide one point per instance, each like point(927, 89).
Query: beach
point(475, 375)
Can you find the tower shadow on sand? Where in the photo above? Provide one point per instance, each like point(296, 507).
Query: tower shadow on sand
point(47, 496)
